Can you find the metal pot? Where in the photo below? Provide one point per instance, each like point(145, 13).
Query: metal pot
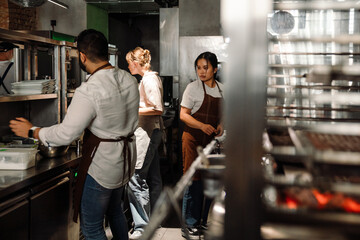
point(212, 175)
point(48, 151)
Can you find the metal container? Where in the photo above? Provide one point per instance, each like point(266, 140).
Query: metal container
point(51, 152)
point(213, 174)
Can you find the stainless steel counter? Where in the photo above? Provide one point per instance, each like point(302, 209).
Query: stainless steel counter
point(12, 181)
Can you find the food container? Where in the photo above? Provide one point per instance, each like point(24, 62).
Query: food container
point(17, 158)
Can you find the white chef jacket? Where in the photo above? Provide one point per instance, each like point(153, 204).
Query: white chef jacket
point(107, 104)
point(151, 96)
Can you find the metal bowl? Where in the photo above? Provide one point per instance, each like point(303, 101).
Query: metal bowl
point(50, 152)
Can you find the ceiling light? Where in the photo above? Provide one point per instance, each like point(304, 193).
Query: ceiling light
point(60, 4)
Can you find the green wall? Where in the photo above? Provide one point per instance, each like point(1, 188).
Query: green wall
point(97, 19)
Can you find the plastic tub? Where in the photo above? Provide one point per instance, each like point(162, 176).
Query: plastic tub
point(17, 158)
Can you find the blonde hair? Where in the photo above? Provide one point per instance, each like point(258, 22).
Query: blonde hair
point(140, 55)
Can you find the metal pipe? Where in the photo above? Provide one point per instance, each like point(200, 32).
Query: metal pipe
point(27, 62)
point(17, 62)
point(34, 63)
point(63, 66)
point(57, 75)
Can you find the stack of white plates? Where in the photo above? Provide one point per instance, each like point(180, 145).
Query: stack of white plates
point(33, 87)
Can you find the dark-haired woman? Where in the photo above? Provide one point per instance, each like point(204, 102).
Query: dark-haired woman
point(201, 113)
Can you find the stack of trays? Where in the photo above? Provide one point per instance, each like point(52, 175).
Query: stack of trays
point(33, 87)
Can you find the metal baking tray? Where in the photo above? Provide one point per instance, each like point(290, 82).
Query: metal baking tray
point(328, 156)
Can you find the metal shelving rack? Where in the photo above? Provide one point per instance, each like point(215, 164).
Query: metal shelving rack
point(321, 88)
point(19, 98)
point(43, 109)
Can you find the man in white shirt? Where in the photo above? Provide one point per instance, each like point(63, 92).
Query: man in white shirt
point(106, 107)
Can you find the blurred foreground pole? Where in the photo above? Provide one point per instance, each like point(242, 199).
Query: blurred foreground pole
point(244, 26)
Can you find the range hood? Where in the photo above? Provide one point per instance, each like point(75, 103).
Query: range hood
point(29, 3)
point(132, 6)
point(38, 3)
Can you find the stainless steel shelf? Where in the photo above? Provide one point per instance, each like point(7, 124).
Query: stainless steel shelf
point(315, 5)
point(283, 76)
point(324, 69)
point(341, 39)
point(331, 219)
point(316, 87)
point(21, 37)
point(350, 98)
point(311, 119)
point(19, 98)
point(314, 108)
point(315, 53)
point(295, 66)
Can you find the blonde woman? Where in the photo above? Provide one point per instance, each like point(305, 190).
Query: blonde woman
point(145, 186)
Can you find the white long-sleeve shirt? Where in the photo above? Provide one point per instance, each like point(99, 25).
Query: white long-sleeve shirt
point(108, 106)
point(151, 96)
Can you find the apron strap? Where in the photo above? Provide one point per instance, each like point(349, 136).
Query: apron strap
point(99, 68)
point(2, 78)
point(91, 144)
point(203, 84)
point(220, 91)
point(126, 150)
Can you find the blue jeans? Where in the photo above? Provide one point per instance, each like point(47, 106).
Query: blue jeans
point(97, 202)
point(195, 209)
point(146, 185)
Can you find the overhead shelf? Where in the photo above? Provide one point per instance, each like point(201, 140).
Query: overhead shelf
point(19, 98)
point(23, 37)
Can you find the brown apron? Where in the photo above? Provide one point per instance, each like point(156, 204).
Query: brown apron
point(90, 146)
point(209, 113)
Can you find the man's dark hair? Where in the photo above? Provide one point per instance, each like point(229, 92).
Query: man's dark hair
point(93, 44)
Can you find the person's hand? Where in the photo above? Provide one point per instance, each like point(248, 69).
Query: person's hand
point(208, 129)
point(20, 127)
point(219, 130)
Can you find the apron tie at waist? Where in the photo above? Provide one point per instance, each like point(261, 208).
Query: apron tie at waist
point(90, 146)
point(126, 150)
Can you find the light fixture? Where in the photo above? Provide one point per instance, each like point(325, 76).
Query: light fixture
point(58, 3)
